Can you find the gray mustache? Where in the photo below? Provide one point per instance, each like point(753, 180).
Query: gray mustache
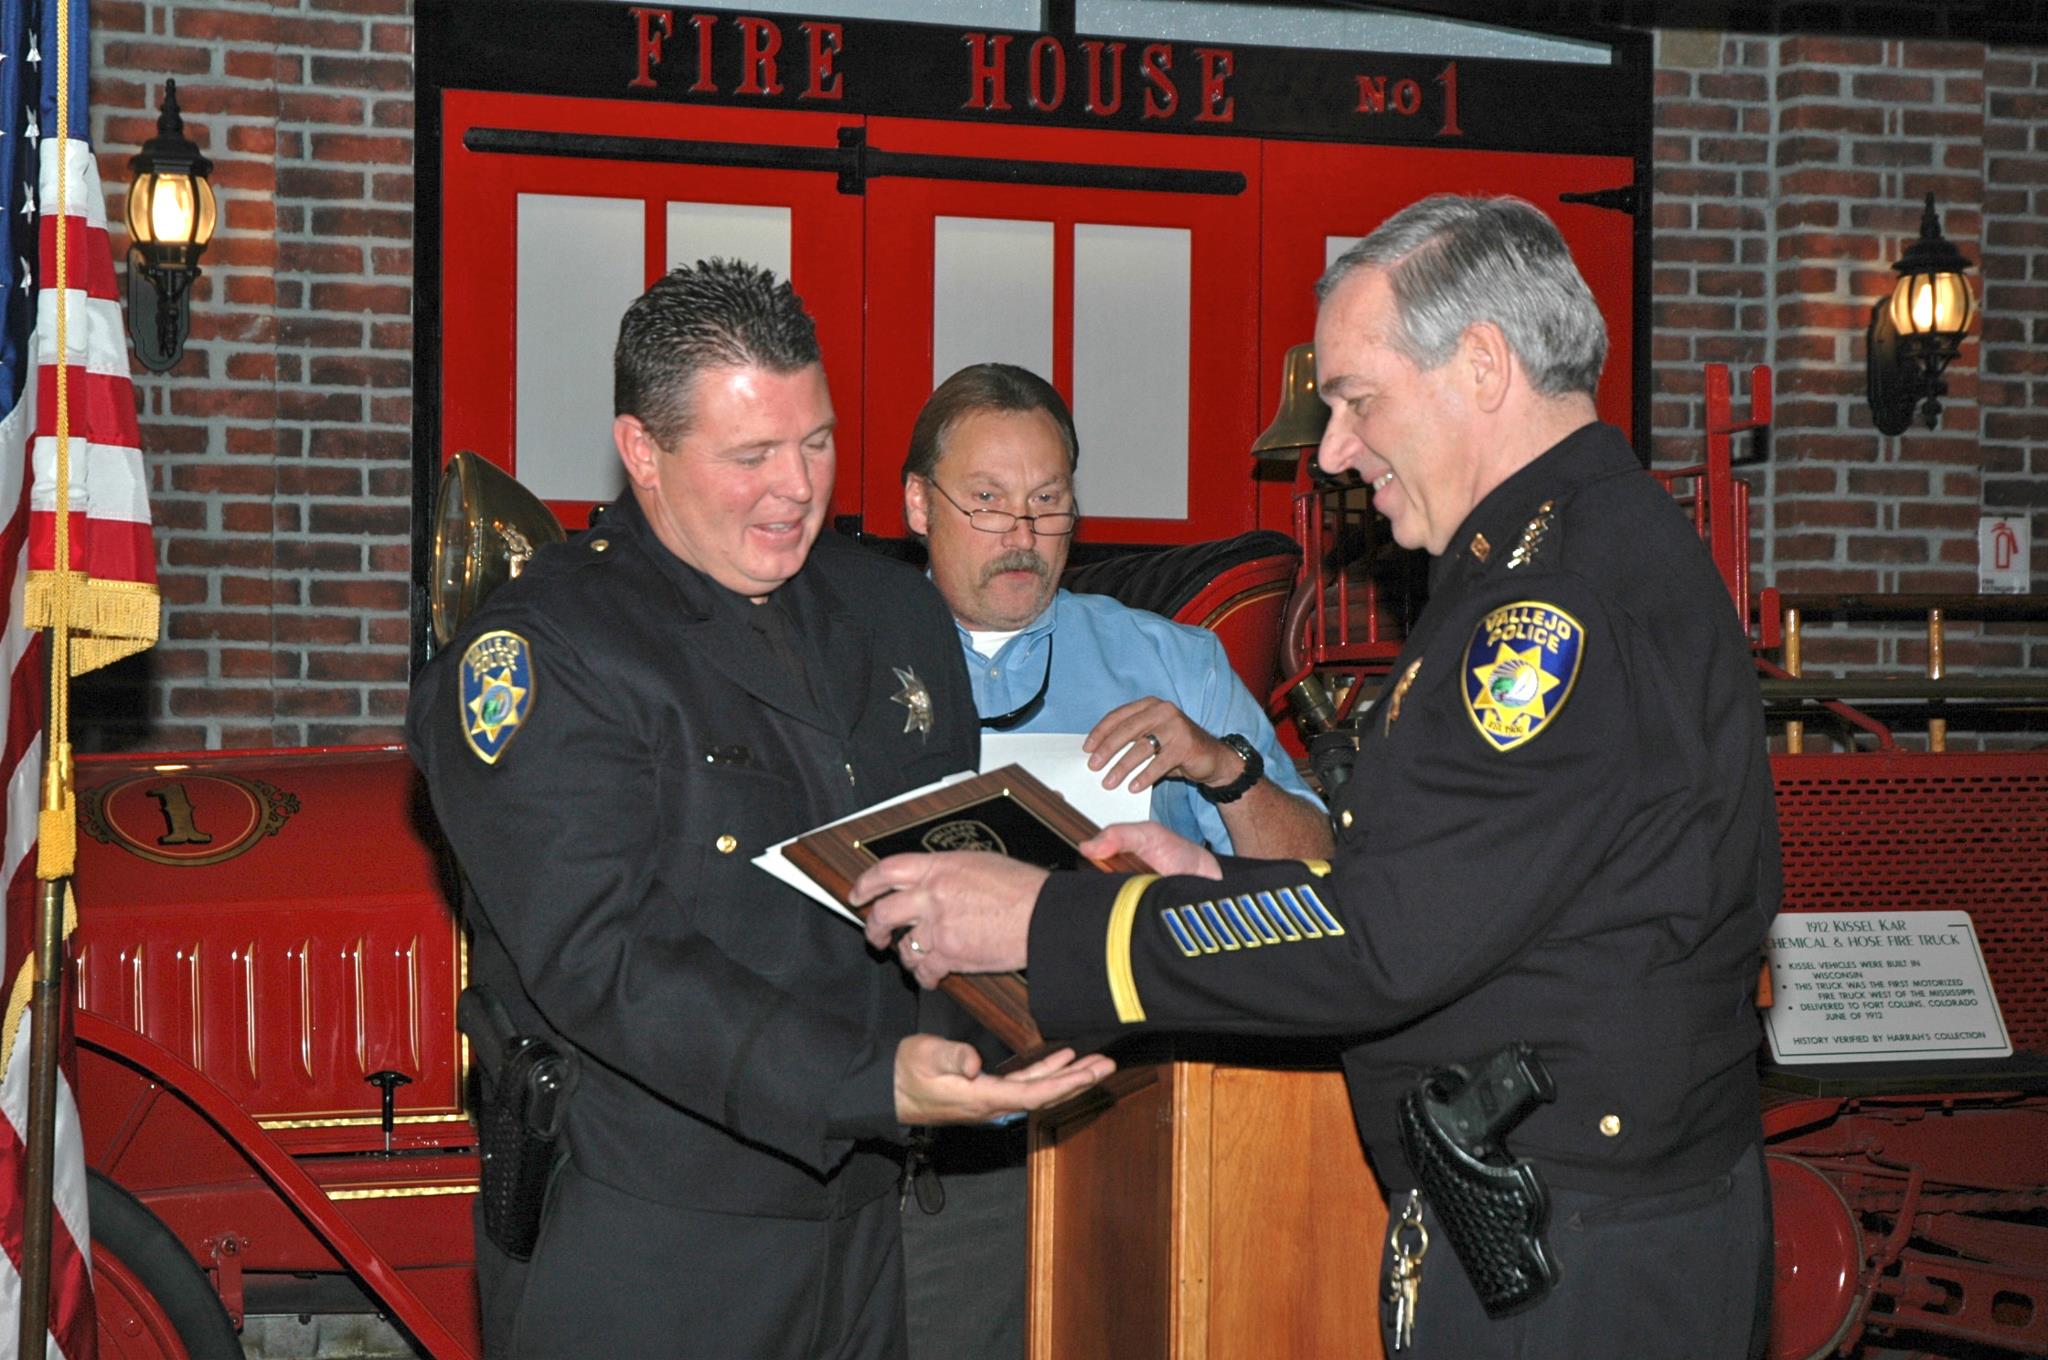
point(1021, 560)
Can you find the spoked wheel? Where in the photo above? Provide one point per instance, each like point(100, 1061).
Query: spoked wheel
point(152, 1300)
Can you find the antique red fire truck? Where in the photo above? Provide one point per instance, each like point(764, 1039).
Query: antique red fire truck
point(271, 1081)
point(272, 1085)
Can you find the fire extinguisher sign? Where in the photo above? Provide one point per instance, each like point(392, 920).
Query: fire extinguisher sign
point(2005, 552)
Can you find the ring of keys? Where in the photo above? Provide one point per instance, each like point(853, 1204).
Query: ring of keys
point(1408, 1241)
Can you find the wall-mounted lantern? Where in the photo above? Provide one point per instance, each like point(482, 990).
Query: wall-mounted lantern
point(1918, 329)
point(170, 219)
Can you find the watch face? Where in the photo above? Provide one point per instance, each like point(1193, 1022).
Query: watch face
point(1254, 768)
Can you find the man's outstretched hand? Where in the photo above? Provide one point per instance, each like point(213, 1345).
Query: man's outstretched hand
point(1163, 851)
point(939, 1081)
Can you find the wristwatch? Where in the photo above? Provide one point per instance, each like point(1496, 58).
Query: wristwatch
point(1254, 770)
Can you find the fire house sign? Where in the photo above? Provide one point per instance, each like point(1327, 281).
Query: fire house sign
point(691, 55)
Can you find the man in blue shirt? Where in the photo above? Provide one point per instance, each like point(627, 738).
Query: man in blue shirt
point(989, 485)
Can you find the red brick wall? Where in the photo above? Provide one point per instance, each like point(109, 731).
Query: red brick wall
point(279, 448)
point(2013, 387)
point(1790, 175)
point(1789, 169)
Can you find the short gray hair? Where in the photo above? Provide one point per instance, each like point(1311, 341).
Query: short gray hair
point(1453, 262)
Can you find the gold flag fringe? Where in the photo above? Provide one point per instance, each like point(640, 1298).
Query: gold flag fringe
point(113, 619)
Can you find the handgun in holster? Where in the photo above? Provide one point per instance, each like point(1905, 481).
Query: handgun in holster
point(525, 1087)
point(1492, 1206)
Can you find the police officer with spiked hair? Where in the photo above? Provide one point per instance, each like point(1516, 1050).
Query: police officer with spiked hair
point(608, 743)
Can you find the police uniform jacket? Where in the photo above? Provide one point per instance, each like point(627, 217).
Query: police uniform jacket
point(736, 1040)
point(1559, 830)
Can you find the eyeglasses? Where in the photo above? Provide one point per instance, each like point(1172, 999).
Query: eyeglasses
point(1051, 524)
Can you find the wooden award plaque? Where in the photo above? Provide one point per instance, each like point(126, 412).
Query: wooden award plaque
point(1006, 811)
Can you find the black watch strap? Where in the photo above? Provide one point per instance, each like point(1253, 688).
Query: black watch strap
point(1254, 770)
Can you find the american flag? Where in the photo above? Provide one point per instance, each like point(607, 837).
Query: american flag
point(109, 542)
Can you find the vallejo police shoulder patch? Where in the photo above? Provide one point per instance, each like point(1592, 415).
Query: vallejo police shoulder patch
point(497, 692)
point(1519, 670)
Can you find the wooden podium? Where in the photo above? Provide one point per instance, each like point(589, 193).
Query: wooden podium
point(1198, 1210)
point(1211, 1199)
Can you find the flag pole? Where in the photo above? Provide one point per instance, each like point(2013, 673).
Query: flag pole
point(57, 824)
point(45, 1019)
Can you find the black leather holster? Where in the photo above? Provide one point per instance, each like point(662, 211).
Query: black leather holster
point(524, 1089)
point(1493, 1207)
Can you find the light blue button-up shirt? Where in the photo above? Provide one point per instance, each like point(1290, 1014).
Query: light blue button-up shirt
point(1110, 654)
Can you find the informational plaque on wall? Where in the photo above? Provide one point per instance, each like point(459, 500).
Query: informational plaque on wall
point(1880, 987)
point(1006, 811)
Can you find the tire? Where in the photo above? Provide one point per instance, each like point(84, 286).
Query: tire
point(152, 1299)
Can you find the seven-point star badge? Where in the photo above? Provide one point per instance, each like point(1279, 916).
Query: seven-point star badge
point(916, 699)
point(497, 707)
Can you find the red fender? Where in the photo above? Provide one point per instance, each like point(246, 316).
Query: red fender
point(298, 1190)
point(1818, 1250)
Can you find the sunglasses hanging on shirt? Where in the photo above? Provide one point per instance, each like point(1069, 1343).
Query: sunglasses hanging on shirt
point(1025, 712)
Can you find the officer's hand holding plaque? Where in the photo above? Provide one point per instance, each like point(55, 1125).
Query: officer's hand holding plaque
point(1005, 811)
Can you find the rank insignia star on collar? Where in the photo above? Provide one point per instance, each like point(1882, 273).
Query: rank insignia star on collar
point(1400, 693)
point(1533, 534)
point(916, 700)
point(496, 692)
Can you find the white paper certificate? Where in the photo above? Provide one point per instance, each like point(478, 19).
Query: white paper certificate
point(1054, 758)
point(1057, 761)
point(772, 861)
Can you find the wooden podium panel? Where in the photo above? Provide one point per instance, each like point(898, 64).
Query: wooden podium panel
point(1204, 1211)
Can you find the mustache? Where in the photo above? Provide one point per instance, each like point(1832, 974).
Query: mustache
point(1023, 559)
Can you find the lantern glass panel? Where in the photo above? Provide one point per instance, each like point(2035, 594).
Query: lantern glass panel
point(139, 193)
point(207, 211)
point(1932, 304)
point(1959, 304)
point(170, 208)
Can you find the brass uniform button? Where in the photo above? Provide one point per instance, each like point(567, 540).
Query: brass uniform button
point(1344, 819)
point(726, 845)
point(599, 545)
point(1610, 1124)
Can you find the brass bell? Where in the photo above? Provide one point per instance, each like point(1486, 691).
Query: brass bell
point(486, 527)
point(1299, 422)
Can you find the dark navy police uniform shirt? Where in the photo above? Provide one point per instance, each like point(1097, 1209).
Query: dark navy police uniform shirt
point(609, 743)
point(1559, 829)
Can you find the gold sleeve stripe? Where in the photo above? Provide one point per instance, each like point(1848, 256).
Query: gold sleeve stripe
point(1278, 915)
point(1267, 932)
point(1315, 904)
point(1319, 867)
point(1244, 924)
point(1123, 914)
